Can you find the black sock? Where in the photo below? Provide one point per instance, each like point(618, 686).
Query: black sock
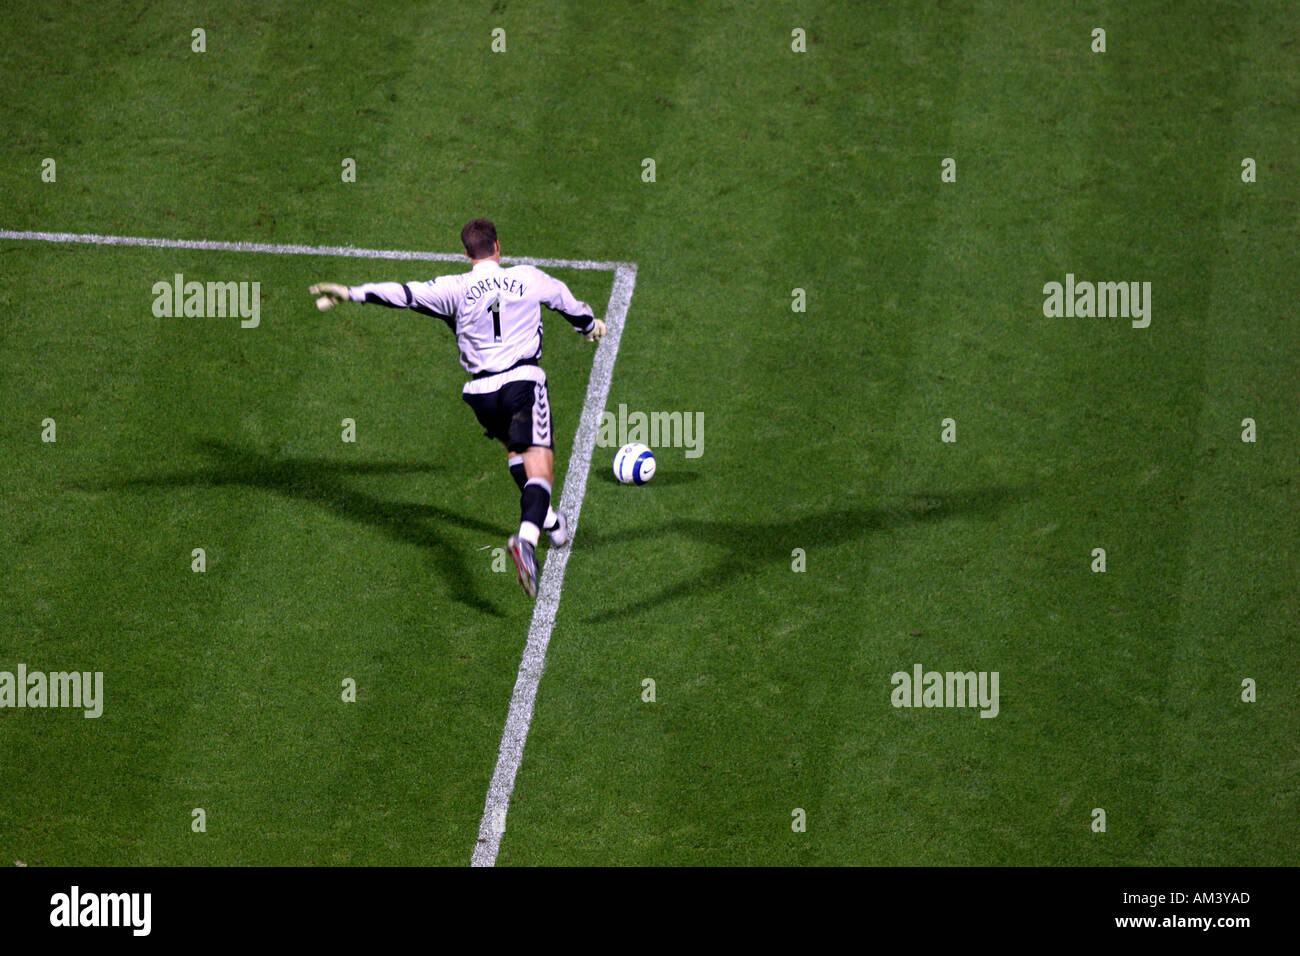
point(517, 471)
point(533, 505)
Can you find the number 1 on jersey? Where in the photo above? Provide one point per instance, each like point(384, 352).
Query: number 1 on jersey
point(495, 309)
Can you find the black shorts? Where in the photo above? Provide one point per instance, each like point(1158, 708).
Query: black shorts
point(518, 413)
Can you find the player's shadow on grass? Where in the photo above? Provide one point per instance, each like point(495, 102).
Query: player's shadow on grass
point(320, 482)
point(753, 546)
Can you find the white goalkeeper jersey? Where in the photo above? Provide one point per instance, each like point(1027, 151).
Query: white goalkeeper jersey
point(495, 312)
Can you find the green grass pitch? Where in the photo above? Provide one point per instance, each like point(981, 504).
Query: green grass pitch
point(774, 170)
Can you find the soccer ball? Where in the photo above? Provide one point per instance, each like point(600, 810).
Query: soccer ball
point(634, 464)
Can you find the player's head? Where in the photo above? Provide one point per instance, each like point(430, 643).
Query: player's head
point(480, 239)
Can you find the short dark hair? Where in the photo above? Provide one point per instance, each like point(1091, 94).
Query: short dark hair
point(478, 237)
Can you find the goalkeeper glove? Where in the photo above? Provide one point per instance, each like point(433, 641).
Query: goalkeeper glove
point(330, 294)
point(596, 331)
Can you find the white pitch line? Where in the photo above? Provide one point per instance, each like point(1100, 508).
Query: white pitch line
point(294, 250)
point(520, 716)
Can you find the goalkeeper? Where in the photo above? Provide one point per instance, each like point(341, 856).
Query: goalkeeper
point(495, 314)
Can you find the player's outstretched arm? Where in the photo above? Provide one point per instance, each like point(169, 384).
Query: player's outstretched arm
point(394, 295)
